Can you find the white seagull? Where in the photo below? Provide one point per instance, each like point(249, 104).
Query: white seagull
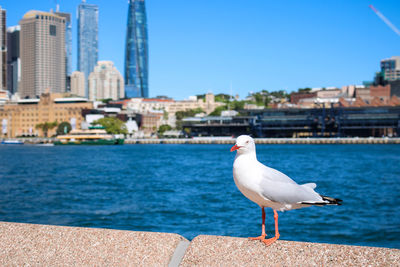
point(270, 188)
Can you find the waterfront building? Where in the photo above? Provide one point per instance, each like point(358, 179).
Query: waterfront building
point(42, 48)
point(87, 39)
point(150, 122)
point(390, 68)
point(13, 59)
point(3, 50)
point(143, 105)
point(20, 118)
point(136, 51)
point(78, 84)
point(295, 97)
point(106, 82)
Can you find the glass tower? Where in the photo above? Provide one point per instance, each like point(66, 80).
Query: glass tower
point(88, 15)
point(136, 51)
point(68, 41)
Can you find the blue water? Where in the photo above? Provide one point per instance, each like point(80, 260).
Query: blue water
point(189, 190)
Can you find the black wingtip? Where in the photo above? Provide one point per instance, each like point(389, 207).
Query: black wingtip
point(327, 201)
point(332, 201)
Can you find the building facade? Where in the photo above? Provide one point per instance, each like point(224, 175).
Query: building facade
point(88, 16)
point(3, 50)
point(22, 118)
point(106, 82)
point(136, 51)
point(13, 59)
point(78, 84)
point(42, 50)
point(68, 41)
point(390, 68)
point(149, 105)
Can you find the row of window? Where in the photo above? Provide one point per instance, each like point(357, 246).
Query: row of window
point(50, 18)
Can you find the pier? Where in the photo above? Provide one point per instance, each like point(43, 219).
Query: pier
point(44, 245)
point(268, 141)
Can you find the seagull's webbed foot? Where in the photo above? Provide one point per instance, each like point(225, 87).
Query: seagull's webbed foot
point(261, 237)
point(269, 241)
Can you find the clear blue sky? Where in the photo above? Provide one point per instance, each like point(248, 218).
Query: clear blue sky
point(197, 46)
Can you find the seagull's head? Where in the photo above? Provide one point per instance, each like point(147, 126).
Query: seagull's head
point(244, 144)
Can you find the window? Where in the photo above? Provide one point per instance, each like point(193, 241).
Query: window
point(53, 30)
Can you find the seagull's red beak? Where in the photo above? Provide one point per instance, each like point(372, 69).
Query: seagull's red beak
point(235, 147)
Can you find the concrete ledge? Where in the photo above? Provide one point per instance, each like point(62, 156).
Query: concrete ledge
point(231, 251)
point(44, 245)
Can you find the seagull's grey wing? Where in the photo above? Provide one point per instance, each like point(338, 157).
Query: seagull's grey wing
point(275, 175)
point(278, 187)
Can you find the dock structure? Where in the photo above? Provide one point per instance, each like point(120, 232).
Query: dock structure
point(44, 245)
point(268, 141)
point(295, 122)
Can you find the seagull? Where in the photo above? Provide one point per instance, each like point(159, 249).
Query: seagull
point(271, 188)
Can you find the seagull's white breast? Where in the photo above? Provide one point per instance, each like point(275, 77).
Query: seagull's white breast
point(247, 177)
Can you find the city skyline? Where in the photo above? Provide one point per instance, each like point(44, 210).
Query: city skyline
point(198, 46)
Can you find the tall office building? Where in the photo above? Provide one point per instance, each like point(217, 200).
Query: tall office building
point(106, 82)
point(3, 50)
point(13, 59)
point(42, 51)
point(390, 68)
point(68, 41)
point(87, 39)
point(136, 51)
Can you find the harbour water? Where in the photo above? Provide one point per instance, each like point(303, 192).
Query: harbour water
point(189, 190)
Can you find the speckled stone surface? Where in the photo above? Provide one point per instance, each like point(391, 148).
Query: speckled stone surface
point(231, 251)
point(44, 245)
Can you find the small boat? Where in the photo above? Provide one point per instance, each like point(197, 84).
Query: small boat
point(92, 136)
point(12, 142)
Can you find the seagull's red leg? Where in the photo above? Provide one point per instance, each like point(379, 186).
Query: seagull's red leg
point(263, 234)
point(269, 241)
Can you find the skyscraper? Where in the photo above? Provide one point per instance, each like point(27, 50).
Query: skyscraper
point(87, 39)
point(42, 48)
point(136, 51)
point(13, 59)
point(68, 41)
point(3, 50)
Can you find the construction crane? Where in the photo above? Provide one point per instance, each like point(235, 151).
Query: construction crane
point(384, 19)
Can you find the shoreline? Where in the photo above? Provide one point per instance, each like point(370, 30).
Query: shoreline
point(230, 140)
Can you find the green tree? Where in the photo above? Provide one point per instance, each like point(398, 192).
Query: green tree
point(112, 125)
point(304, 90)
point(64, 128)
point(217, 111)
point(163, 128)
point(46, 126)
point(222, 98)
point(188, 113)
point(237, 105)
point(165, 115)
point(106, 100)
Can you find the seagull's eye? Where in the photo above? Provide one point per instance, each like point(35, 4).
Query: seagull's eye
point(247, 142)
